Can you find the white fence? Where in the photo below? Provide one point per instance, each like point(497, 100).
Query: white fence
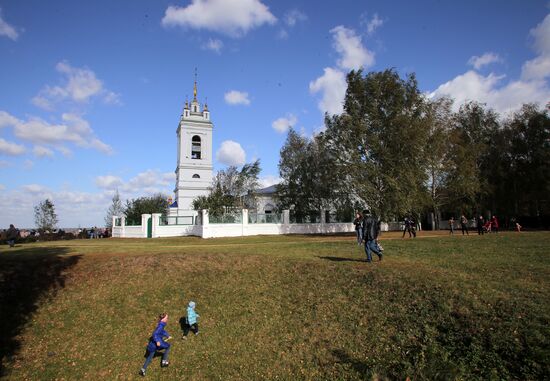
point(151, 227)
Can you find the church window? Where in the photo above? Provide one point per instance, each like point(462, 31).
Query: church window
point(195, 176)
point(196, 147)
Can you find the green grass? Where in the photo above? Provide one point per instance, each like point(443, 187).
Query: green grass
point(284, 307)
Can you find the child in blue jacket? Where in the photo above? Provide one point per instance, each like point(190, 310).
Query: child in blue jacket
point(158, 344)
point(191, 320)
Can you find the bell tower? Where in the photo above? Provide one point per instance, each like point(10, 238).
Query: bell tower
point(194, 168)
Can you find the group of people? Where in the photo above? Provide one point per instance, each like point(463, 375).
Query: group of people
point(367, 228)
point(158, 342)
point(488, 226)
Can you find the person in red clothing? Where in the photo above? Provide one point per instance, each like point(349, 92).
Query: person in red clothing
point(494, 224)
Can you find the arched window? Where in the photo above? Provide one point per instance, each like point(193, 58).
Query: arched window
point(268, 209)
point(196, 147)
point(195, 176)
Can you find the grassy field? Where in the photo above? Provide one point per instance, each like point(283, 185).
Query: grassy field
point(283, 307)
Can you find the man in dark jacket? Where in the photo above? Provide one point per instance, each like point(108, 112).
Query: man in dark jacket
point(371, 230)
point(12, 234)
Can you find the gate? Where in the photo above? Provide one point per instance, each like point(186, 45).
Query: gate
point(150, 227)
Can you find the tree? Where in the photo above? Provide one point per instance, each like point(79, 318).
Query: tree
point(527, 184)
point(378, 143)
point(470, 140)
point(231, 188)
point(45, 217)
point(116, 209)
point(157, 203)
point(308, 175)
point(438, 117)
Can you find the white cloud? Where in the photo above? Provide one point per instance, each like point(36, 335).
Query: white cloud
point(214, 45)
point(539, 67)
point(7, 120)
point(28, 164)
point(80, 85)
point(332, 85)
point(473, 86)
point(41, 151)
point(487, 58)
point(74, 129)
point(353, 54)
point(231, 153)
point(269, 180)
point(283, 34)
point(108, 182)
point(294, 16)
point(11, 149)
point(282, 125)
point(232, 17)
point(235, 97)
point(7, 30)
point(2, 187)
point(112, 98)
point(374, 24)
point(34, 188)
point(541, 35)
point(505, 97)
point(73, 208)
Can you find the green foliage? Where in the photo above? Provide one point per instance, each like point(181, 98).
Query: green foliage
point(379, 142)
point(157, 203)
point(45, 217)
point(308, 176)
point(232, 189)
point(115, 209)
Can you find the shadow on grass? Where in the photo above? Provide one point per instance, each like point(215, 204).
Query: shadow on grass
point(340, 259)
point(359, 366)
point(26, 277)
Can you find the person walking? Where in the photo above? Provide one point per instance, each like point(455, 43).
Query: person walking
point(192, 317)
point(371, 230)
point(452, 226)
point(157, 343)
point(464, 224)
point(480, 223)
point(12, 234)
point(408, 223)
point(358, 222)
point(494, 224)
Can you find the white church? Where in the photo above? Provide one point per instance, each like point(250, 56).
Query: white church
point(194, 174)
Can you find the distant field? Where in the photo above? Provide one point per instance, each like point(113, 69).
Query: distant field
point(283, 307)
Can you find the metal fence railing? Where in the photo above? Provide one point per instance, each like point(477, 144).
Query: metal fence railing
point(313, 217)
point(265, 218)
point(176, 220)
point(226, 219)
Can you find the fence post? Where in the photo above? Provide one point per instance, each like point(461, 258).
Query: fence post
point(122, 226)
point(286, 221)
point(144, 220)
point(156, 221)
point(244, 222)
point(205, 223)
point(323, 221)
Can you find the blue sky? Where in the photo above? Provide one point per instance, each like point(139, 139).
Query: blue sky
point(91, 92)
